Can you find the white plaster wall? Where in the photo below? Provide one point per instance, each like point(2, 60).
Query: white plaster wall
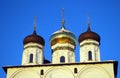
point(64, 71)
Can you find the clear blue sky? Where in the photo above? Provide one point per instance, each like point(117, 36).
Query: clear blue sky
point(16, 22)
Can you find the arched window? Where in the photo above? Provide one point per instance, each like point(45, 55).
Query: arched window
point(75, 70)
point(42, 72)
point(62, 59)
point(89, 55)
point(31, 58)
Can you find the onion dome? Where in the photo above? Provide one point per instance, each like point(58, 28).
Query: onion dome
point(89, 35)
point(62, 36)
point(34, 38)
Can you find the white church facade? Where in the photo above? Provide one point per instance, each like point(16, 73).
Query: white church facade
point(63, 64)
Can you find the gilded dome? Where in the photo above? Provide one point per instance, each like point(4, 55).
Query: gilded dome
point(34, 38)
point(89, 35)
point(63, 36)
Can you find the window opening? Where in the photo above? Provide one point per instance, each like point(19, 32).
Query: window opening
point(31, 58)
point(62, 59)
point(89, 55)
point(75, 70)
point(42, 72)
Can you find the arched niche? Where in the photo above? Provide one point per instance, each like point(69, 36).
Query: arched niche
point(93, 72)
point(59, 73)
point(27, 73)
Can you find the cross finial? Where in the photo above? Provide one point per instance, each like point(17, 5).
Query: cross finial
point(62, 13)
point(34, 23)
point(88, 23)
point(63, 21)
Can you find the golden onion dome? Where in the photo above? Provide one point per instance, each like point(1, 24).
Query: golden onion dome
point(62, 36)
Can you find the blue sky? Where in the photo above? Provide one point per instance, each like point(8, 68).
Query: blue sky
point(17, 19)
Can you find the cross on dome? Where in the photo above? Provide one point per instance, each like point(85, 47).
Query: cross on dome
point(89, 24)
point(35, 23)
point(63, 21)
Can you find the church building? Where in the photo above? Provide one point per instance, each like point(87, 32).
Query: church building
point(63, 64)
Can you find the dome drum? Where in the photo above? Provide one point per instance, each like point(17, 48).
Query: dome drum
point(89, 42)
point(63, 48)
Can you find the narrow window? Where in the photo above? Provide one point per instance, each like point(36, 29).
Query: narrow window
point(89, 55)
point(42, 72)
point(62, 59)
point(31, 58)
point(75, 70)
